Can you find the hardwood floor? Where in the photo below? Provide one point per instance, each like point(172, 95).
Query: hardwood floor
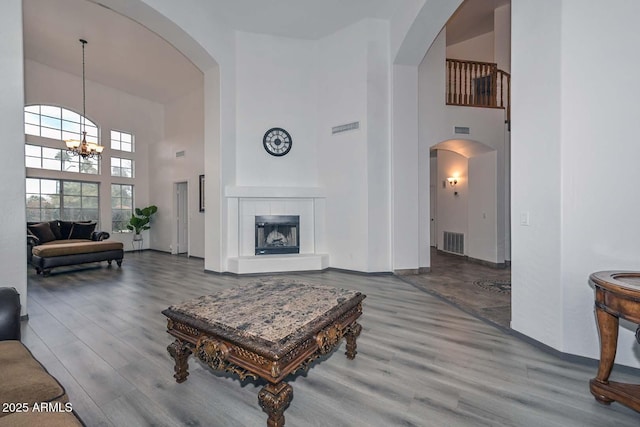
point(420, 362)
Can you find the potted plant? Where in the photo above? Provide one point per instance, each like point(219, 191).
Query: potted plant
point(140, 221)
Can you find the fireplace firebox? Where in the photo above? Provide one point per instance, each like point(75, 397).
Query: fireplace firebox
point(277, 234)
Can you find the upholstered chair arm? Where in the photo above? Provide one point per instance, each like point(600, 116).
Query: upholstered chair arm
point(32, 240)
point(9, 314)
point(100, 235)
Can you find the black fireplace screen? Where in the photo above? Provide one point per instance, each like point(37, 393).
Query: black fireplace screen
point(277, 234)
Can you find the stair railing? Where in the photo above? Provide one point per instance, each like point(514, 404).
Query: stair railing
point(478, 84)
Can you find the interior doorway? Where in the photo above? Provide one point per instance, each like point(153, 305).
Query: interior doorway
point(182, 218)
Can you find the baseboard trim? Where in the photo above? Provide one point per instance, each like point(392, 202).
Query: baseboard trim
point(407, 272)
point(572, 358)
point(497, 266)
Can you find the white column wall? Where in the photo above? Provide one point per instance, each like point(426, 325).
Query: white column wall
point(599, 162)
point(405, 155)
point(536, 251)
point(13, 245)
point(342, 158)
point(378, 149)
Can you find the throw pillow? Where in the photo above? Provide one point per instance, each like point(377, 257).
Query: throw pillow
point(82, 230)
point(42, 231)
point(55, 227)
point(65, 229)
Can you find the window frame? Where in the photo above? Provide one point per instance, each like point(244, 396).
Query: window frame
point(129, 212)
point(60, 195)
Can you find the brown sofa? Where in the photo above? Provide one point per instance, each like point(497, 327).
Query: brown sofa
point(29, 395)
point(59, 243)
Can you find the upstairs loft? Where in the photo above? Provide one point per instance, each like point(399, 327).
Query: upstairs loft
point(478, 84)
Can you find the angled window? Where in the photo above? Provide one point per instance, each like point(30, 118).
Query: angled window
point(122, 141)
point(122, 167)
point(54, 122)
point(121, 207)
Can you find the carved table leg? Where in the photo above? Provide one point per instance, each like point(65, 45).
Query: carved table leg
point(351, 333)
point(180, 352)
point(274, 399)
point(608, 328)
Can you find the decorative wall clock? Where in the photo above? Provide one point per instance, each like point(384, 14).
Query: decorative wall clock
point(277, 141)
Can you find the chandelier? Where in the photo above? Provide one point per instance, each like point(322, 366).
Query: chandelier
point(83, 148)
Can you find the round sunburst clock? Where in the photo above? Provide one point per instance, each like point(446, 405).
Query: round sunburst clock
point(277, 142)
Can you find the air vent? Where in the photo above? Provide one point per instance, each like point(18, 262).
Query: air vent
point(453, 242)
point(180, 153)
point(344, 128)
point(464, 130)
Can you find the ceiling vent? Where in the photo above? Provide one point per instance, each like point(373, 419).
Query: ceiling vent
point(180, 153)
point(464, 130)
point(344, 128)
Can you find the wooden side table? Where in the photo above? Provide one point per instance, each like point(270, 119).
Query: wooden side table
point(617, 296)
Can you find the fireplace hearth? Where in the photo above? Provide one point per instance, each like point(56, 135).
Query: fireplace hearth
point(277, 234)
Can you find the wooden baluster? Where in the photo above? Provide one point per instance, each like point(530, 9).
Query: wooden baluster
point(455, 79)
point(466, 71)
point(472, 98)
point(502, 90)
point(459, 83)
point(449, 97)
point(494, 85)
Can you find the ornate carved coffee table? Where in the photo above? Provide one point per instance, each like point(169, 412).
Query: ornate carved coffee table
point(264, 330)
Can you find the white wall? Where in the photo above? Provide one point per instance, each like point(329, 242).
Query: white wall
point(183, 131)
point(342, 158)
point(109, 109)
point(432, 115)
point(483, 208)
point(502, 37)
point(276, 87)
point(453, 209)
point(479, 48)
point(13, 245)
point(405, 168)
point(598, 217)
point(378, 149)
point(536, 275)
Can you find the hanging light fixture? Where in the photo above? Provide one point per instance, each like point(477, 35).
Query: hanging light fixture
point(83, 148)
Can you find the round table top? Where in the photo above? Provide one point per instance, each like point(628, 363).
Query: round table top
point(622, 281)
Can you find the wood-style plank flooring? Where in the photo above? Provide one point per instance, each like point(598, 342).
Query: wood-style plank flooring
point(420, 362)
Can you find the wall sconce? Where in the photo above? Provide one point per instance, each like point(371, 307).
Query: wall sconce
point(453, 181)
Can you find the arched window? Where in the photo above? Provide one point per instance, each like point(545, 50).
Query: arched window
point(54, 122)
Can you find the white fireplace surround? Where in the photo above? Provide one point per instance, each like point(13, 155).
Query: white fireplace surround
point(245, 203)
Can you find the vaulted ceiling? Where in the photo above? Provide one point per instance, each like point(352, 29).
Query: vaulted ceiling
point(125, 55)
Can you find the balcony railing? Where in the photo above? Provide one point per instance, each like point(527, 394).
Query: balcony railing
point(478, 84)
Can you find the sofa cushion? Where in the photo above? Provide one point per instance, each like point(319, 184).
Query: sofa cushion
point(82, 230)
point(42, 231)
point(24, 379)
point(55, 227)
point(49, 419)
point(65, 228)
point(53, 249)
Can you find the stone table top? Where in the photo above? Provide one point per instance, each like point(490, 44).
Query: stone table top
point(268, 312)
